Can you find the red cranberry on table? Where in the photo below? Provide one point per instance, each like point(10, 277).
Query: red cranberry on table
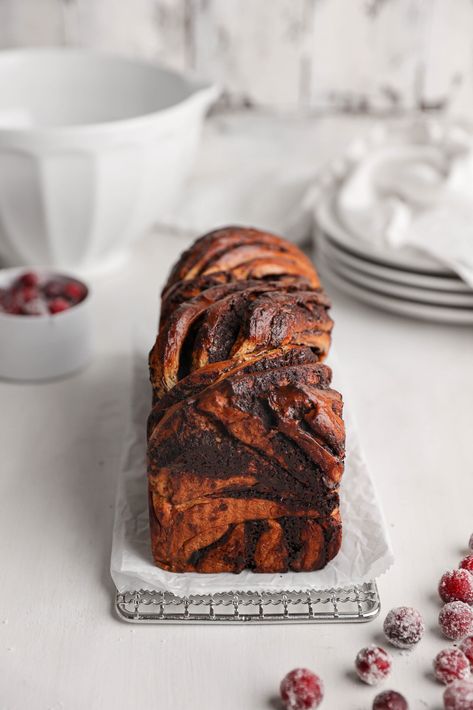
point(451, 664)
point(467, 563)
point(457, 585)
point(404, 627)
point(301, 690)
point(467, 648)
point(373, 664)
point(456, 620)
point(390, 700)
point(459, 695)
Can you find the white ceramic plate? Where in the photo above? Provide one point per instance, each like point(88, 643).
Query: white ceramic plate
point(451, 283)
point(393, 288)
point(406, 258)
point(412, 309)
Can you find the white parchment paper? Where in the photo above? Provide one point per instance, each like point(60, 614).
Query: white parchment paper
point(365, 553)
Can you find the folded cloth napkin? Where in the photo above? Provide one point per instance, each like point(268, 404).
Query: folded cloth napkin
point(414, 188)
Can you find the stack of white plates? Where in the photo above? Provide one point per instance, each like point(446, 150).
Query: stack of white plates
point(402, 281)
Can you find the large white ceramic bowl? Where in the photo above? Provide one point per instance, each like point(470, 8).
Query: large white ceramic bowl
point(93, 149)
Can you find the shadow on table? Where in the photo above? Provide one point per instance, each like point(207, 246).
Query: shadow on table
point(105, 400)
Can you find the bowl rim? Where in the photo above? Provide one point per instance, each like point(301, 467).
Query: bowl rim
point(14, 271)
point(199, 91)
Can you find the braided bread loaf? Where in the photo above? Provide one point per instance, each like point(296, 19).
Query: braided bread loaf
point(245, 437)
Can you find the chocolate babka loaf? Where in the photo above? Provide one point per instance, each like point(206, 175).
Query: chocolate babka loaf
point(245, 437)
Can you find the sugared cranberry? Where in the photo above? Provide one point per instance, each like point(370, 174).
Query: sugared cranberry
point(301, 690)
point(373, 664)
point(459, 695)
point(390, 700)
point(457, 586)
point(35, 307)
point(451, 664)
point(29, 279)
point(57, 305)
point(53, 288)
point(456, 620)
point(74, 291)
point(467, 563)
point(467, 648)
point(404, 627)
point(27, 293)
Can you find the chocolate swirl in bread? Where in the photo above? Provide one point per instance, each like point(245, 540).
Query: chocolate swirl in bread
point(245, 438)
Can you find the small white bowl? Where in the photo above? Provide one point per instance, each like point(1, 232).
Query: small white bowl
point(94, 149)
point(48, 346)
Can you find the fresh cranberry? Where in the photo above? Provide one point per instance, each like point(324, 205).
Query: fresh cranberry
point(456, 620)
point(404, 627)
point(467, 563)
point(459, 696)
point(57, 305)
point(373, 664)
point(457, 586)
point(467, 648)
point(74, 291)
point(390, 700)
point(451, 664)
point(29, 279)
point(301, 690)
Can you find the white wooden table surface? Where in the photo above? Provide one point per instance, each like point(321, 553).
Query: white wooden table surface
point(411, 387)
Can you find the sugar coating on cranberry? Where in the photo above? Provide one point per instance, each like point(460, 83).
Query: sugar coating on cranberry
point(459, 695)
point(390, 700)
point(301, 690)
point(34, 295)
point(373, 664)
point(404, 627)
point(467, 563)
point(28, 279)
point(451, 664)
point(57, 305)
point(467, 648)
point(74, 291)
point(457, 586)
point(456, 620)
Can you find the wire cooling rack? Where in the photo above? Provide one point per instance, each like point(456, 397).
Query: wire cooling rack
point(353, 604)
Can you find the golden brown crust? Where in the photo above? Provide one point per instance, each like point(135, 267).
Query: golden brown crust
point(225, 322)
point(244, 253)
point(246, 437)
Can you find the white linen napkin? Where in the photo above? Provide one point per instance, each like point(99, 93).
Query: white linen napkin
point(415, 188)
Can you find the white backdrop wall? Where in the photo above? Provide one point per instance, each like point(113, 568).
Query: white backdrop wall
point(373, 55)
